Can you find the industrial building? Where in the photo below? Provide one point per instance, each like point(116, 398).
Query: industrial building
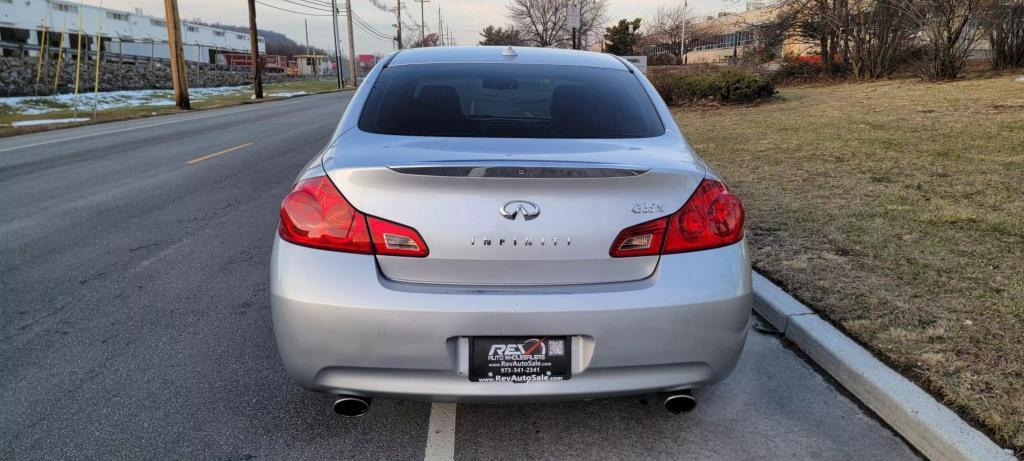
point(24, 22)
point(726, 36)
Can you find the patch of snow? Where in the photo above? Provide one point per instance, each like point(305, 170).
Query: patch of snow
point(287, 94)
point(1019, 79)
point(34, 105)
point(48, 121)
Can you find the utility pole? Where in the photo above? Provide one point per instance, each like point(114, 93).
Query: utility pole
point(423, 23)
point(351, 43)
point(398, 18)
point(254, 43)
point(440, 27)
point(682, 44)
point(337, 53)
point(78, 58)
point(310, 53)
point(178, 71)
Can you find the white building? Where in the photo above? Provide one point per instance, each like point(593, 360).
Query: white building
point(129, 34)
point(313, 64)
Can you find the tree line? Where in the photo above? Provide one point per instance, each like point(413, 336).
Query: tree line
point(869, 39)
point(861, 39)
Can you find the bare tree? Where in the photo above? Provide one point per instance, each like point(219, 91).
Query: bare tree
point(768, 37)
point(826, 23)
point(874, 38)
point(666, 25)
point(665, 29)
point(430, 39)
point(1004, 24)
point(881, 36)
point(545, 22)
point(501, 36)
point(952, 28)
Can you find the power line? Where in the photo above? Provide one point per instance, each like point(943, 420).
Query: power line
point(360, 22)
point(415, 25)
point(290, 11)
point(382, 6)
point(369, 29)
point(304, 5)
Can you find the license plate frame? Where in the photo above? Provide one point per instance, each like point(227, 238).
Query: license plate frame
point(520, 359)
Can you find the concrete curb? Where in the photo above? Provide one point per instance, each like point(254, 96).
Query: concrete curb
point(929, 426)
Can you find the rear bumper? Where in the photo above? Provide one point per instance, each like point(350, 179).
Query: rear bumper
point(343, 328)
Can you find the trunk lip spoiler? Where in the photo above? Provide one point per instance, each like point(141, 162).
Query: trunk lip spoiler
point(520, 169)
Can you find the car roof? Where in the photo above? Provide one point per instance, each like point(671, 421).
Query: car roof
point(494, 54)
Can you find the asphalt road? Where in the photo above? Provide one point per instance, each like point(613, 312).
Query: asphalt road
point(135, 322)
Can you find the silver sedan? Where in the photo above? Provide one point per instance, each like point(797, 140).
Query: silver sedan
point(496, 224)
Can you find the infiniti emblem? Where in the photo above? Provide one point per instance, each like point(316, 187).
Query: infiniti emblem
point(510, 210)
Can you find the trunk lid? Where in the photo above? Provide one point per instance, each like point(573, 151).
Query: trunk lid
point(514, 211)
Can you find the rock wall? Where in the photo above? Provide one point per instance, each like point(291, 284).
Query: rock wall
point(18, 76)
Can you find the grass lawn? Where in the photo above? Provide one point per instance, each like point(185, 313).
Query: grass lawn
point(896, 209)
point(160, 106)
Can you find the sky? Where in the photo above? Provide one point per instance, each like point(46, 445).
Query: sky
point(465, 18)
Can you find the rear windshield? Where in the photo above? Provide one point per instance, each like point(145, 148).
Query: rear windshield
point(504, 100)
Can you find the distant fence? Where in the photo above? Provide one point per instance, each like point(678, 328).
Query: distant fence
point(35, 76)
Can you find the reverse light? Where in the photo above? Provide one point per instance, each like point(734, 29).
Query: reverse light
point(711, 218)
point(393, 239)
point(316, 215)
point(643, 239)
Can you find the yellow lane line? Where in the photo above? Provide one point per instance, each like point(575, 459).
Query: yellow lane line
point(225, 151)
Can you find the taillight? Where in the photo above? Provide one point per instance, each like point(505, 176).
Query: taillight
point(316, 215)
point(711, 218)
point(394, 239)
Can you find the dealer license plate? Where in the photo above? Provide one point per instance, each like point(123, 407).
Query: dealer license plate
point(519, 359)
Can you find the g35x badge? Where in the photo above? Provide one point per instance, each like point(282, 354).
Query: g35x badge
point(647, 208)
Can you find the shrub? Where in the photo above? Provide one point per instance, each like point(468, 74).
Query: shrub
point(662, 59)
point(727, 86)
point(662, 82)
point(797, 70)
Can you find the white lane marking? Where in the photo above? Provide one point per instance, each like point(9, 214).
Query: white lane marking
point(441, 432)
point(188, 119)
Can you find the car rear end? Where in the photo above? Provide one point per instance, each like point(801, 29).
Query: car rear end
point(495, 229)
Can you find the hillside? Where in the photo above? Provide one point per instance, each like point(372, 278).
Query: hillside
point(277, 43)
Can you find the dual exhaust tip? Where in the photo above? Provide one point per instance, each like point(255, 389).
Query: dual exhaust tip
point(352, 406)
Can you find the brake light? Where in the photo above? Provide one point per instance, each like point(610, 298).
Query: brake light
point(711, 218)
point(315, 214)
point(394, 239)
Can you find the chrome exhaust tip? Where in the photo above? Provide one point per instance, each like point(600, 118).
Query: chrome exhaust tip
point(679, 402)
point(351, 406)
